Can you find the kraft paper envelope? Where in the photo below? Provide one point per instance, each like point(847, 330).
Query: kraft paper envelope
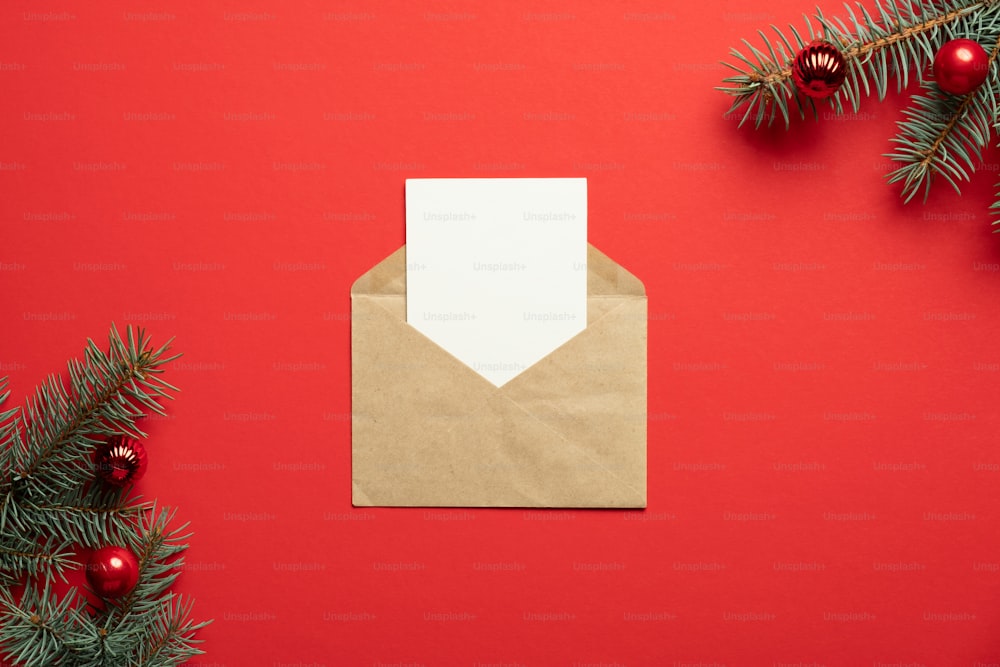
point(570, 431)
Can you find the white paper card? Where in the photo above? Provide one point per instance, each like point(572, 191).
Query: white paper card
point(496, 268)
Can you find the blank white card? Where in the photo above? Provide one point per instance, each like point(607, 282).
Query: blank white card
point(496, 268)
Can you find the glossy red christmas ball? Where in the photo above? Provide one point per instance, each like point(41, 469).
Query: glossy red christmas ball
point(819, 69)
point(961, 66)
point(120, 461)
point(112, 572)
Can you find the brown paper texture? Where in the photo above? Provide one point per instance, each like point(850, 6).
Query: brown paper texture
point(428, 431)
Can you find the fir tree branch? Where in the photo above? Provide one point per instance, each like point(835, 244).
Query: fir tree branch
point(49, 502)
point(168, 633)
point(91, 516)
point(21, 555)
point(10, 437)
point(42, 629)
point(173, 639)
point(945, 134)
point(108, 393)
point(8, 434)
point(995, 206)
point(897, 37)
point(150, 627)
point(157, 550)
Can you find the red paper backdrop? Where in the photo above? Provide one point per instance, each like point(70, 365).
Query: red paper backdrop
point(823, 359)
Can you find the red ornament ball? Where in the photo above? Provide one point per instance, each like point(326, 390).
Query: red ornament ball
point(961, 66)
point(112, 572)
point(120, 461)
point(819, 69)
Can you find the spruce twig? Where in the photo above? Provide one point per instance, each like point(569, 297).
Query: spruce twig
point(43, 629)
point(940, 135)
point(897, 37)
point(945, 134)
point(49, 504)
point(164, 617)
point(108, 393)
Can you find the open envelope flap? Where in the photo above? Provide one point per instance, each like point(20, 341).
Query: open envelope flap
point(604, 278)
point(387, 277)
point(568, 432)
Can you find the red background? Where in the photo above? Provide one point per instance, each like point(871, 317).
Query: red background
point(823, 359)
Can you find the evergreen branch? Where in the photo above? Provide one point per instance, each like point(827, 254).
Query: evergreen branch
point(150, 627)
point(107, 394)
point(8, 433)
point(10, 437)
point(49, 502)
point(995, 206)
point(945, 134)
point(41, 629)
point(91, 516)
point(895, 39)
point(172, 641)
point(167, 631)
point(19, 555)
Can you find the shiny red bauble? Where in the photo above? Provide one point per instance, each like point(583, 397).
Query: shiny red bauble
point(112, 572)
point(819, 69)
point(961, 66)
point(120, 461)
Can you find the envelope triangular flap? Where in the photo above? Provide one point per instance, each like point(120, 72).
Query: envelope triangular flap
point(388, 277)
point(604, 278)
